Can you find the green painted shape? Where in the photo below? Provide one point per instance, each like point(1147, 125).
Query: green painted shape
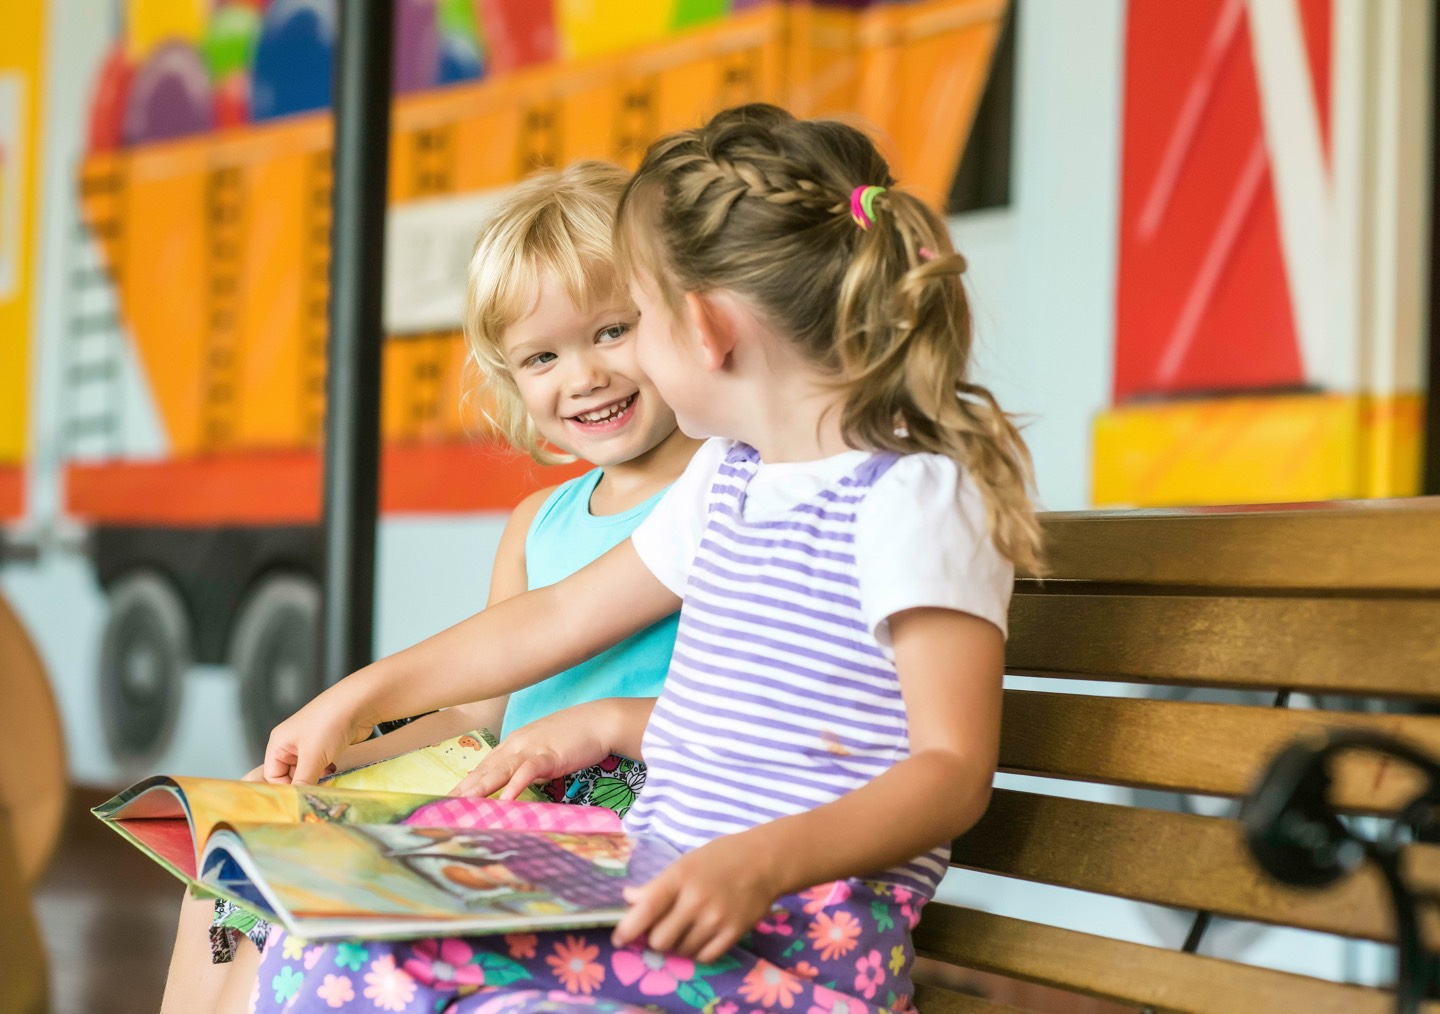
point(456, 17)
point(229, 44)
point(689, 13)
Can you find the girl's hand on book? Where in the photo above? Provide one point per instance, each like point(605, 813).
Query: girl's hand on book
point(702, 903)
point(302, 749)
point(558, 744)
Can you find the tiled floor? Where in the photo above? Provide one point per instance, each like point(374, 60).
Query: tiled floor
point(107, 915)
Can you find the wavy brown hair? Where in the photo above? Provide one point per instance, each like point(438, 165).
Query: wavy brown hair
point(758, 202)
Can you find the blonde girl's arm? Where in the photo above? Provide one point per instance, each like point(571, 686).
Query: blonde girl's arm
point(949, 664)
point(513, 644)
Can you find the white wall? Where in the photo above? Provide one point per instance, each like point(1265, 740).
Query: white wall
point(1042, 271)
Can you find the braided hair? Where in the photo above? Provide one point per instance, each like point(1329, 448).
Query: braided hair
point(758, 203)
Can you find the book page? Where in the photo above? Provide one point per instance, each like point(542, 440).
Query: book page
point(434, 769)
point(408, 880)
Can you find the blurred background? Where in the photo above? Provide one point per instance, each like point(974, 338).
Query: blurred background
point(1200, 241)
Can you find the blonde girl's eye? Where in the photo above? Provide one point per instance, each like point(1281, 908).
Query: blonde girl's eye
point(613, 333)
point(538, 359)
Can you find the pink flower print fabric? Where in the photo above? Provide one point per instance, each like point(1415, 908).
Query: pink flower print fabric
point(836, 949)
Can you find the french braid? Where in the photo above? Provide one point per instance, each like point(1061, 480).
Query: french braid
point(757, 202)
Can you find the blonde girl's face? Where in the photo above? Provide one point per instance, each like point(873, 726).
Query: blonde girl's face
point(579, 376)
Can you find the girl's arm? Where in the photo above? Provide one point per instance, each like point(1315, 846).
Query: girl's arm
point(513, 644)
point(949, 664)
point(508, 578)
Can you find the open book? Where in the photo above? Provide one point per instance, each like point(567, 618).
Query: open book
point(333, 861)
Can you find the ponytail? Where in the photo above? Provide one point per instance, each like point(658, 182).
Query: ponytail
point(903, 337)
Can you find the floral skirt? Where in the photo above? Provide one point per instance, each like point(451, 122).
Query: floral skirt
point(841, 948)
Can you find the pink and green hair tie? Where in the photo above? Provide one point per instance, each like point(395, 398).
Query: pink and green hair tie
point(862, 205)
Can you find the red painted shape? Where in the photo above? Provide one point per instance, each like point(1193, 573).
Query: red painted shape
point(12, 492)
point(1316, 23)
point(284, 487)
point(1191, 94)
point(168, 837)
point(107, 105)
point(276, 487)
point(518, 33)
point(458, 478)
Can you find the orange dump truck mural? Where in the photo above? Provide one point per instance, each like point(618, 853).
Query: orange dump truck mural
point(216, 244)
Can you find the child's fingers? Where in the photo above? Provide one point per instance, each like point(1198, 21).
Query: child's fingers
point(673, 930)
point(308, 769)
point(521, 780)
point(279, 764)
point(491, 775)
point(722, 941)
point(702, 931)
point(481, 781)
point(647, 904)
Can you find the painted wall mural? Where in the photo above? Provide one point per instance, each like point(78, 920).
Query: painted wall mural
point(21, 81)
point(1270, 298)
point(193, 369)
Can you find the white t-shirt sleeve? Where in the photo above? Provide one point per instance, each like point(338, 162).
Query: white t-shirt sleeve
point(922, 539)
point(668, 539)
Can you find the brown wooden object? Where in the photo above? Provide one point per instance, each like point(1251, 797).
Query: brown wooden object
point(1330, 611)
point(32, 803)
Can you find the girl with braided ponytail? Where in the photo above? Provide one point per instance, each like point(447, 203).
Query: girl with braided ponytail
point(842, 548)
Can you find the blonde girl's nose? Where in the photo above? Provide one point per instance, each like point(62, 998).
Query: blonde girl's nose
point(586, 374)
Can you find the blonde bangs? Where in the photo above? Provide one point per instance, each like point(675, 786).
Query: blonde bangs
point(558, 224)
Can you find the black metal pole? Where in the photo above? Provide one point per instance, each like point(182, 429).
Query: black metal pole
point(1430, 433)
point(352, 414)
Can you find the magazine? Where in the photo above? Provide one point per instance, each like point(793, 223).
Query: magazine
point(335, 861)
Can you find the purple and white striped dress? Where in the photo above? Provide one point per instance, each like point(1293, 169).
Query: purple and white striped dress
point(779, 697)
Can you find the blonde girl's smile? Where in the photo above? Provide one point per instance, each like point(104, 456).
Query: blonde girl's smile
point(608, 417)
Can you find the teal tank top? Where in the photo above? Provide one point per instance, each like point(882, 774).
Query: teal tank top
point(564, 537)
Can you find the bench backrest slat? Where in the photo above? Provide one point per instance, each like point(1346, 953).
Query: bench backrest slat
point(1177, 859)
point(1357, 646)
point(1190, 746)
point(1364, 545)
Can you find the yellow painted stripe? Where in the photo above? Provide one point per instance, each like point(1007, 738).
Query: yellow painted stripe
point(21, 76)
point(1263, 449)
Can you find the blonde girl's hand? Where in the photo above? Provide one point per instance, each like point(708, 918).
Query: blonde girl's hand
point(702, 903)
point(558, 744)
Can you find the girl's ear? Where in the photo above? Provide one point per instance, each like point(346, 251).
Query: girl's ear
point(713, 329)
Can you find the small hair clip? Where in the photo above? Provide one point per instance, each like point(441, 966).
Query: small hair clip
point(862, 205)
point(926, 254)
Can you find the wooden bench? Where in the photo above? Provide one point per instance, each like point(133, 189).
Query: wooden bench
point(1340, 600)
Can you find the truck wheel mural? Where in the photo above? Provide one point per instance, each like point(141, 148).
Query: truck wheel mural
point(274, 652)
point(194, 382)
point(146, 649)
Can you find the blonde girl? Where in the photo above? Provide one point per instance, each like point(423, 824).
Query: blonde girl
point(551, 327)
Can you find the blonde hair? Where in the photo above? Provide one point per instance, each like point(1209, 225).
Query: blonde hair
point(561, 223)
point(758, 202)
